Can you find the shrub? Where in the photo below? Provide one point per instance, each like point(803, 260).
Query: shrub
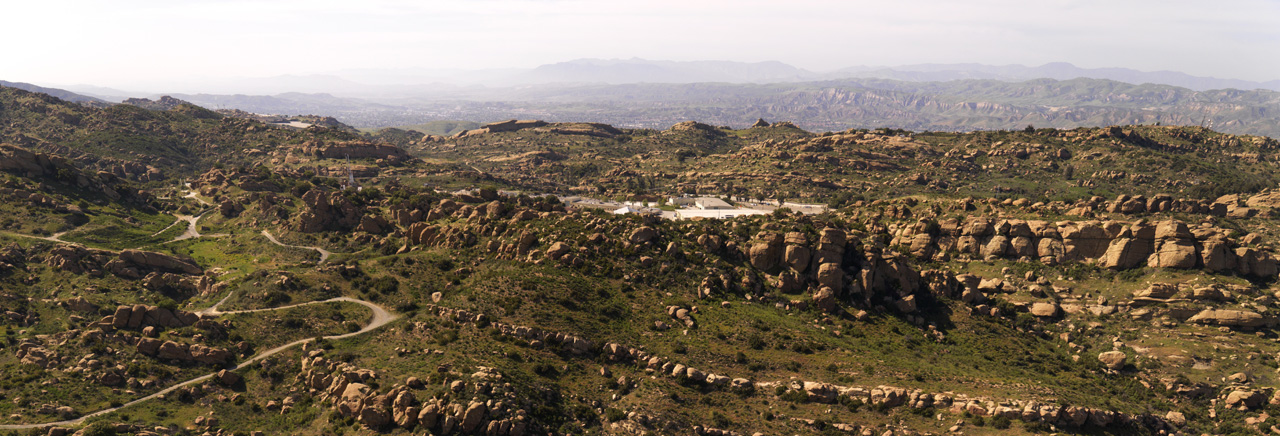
point(100, 428)
point(613, 415)
point(853, 404)
point(720, 420)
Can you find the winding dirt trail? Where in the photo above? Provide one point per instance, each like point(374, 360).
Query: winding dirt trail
point(193, 227)
point(324, 254)
point(194, 196)
point(56, 237)
point(381, 317)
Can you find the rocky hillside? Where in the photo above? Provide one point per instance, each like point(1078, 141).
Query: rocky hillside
point(780, 160)
point(148, 141)
point(1114, 280)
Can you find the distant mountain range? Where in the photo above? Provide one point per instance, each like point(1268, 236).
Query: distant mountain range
point(60, 93)
point(657, 94)
point(959, 105)
point(1056, 70)
point(645, 71)
point(441, 83)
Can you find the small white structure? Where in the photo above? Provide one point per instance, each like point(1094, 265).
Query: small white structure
point(625, 210)
point(711, 203)
point(682, 214)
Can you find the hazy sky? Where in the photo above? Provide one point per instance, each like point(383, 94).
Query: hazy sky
point(127, 43)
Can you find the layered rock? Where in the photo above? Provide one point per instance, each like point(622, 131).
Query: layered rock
point(354, 150)
point(157, 270)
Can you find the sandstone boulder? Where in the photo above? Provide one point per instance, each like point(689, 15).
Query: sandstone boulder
point(1125, 253)
point(473, 416)
point(1043, 309)
point(825, 299)
point(830, 275)
point(767, 254)
point(643, 235)
point(1113, 359)
point(1174, 253)
point(173, 351)
point(797, 257)
point(1229, 318)
point(151, 260)
point(1245, 399)
point(228, 378)
point(1158, 290)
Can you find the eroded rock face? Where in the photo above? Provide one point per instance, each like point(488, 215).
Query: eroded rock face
point(152, 261)
point(1231, 318)
point(77, 259)
point(327, 211)
point(354, 150)
point(1124, 253)
point(24, 162)
point(1176, 253)
point(503, 126)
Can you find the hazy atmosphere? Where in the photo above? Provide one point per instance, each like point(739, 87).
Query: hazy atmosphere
point(177, 46)
point(643, 218)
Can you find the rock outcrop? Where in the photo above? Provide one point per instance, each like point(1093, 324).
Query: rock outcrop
point(1112, 244)
point(354, 150)
point(18, 160)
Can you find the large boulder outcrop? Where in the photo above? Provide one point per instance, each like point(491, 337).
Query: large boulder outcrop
point(153, 261)
point(767, 254)
point(1125, 253)
point(327, 211)
point(1231, 318)
point(353, 150)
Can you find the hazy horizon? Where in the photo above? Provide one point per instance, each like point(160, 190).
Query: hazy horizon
point(134, 44)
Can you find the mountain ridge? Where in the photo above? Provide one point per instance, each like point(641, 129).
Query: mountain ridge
point(822, 105)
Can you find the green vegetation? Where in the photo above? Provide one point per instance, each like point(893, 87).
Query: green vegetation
point(896, 305)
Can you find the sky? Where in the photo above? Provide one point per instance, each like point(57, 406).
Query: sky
point(133, 43)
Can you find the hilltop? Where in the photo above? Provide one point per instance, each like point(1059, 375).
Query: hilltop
point(165, 140)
